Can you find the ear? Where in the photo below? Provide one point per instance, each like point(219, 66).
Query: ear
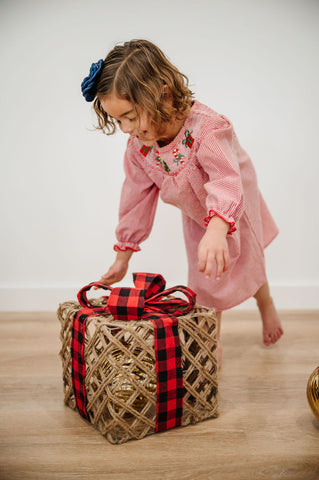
point(167, 94)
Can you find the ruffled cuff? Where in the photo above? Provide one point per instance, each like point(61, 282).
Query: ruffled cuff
point(231, 223)
point(123, 246)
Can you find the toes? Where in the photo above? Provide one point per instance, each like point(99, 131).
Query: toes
point(275, 337)
point(267, 339)
point(272, 337)
point(279, 333)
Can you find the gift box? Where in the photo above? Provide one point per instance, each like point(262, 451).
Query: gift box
point(140, 360)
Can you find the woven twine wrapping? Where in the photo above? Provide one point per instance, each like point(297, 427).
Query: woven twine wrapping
point(120, 377)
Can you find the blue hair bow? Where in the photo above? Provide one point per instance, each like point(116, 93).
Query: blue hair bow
point(89, 84)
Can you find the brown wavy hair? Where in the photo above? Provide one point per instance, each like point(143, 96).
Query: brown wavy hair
point(137, 71)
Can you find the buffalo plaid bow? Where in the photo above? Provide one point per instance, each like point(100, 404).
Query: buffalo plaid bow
point(148, 301)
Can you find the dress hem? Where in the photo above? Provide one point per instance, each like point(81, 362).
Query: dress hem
point(271, 239)
point(244, 300)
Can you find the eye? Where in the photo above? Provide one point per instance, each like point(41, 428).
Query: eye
point(132, 119)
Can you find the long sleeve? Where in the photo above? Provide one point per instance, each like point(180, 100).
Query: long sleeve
point(138, 204)
point(217, 156)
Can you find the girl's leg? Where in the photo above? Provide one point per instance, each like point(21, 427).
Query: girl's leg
point(272, 329)
point(219, 351)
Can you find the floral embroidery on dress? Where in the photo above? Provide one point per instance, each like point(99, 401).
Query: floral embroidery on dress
point(145, 150)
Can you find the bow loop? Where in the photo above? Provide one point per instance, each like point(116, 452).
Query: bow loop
point(150, 282)
point(82, 298)
point(173, 306)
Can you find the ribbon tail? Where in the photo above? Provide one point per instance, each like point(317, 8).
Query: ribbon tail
point(78, 363)
point(78, 358)
point(169, 372)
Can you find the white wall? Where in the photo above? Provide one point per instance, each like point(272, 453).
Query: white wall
point(254, 61)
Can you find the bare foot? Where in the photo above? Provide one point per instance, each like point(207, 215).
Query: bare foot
point(272, 329)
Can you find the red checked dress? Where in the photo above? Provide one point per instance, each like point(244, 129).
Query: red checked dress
point(204, 172)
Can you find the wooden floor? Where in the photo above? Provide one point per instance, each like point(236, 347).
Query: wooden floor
point(265, 429)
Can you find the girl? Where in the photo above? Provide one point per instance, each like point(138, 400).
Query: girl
point(188, 154)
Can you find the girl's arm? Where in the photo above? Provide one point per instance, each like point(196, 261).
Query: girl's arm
point(218, 157)
point(138, 204)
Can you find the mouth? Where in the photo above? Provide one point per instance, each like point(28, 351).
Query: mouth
point(145, 138)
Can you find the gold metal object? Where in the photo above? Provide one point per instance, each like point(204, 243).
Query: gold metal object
point(121, 386)
point(313, 392)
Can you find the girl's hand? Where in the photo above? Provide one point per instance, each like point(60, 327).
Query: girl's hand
point(119, 268)
point(213, 248)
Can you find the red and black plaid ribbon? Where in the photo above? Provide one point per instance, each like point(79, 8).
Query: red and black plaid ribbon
point(148, 300)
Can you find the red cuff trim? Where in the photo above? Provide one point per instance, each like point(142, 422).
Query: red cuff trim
point(119, 249)
point(212, 213)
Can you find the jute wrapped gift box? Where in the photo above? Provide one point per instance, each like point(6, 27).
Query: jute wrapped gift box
point(120, 380)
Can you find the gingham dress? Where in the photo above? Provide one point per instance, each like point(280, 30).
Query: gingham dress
point(204, 172)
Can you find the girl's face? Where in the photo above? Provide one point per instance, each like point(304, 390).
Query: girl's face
point(130, 119)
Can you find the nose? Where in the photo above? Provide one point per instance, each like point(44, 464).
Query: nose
point(143, 125)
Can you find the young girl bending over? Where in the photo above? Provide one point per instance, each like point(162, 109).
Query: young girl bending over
point(188, 154)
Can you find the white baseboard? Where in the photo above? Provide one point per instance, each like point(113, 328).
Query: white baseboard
point(37, 298)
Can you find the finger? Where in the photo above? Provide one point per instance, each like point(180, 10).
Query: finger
point(202, 257)
point(111, 273)
point(219, 266)
point(209, 266)
point(102, 280)
point(226, 261)
point(106, 280)
point(113, 277)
